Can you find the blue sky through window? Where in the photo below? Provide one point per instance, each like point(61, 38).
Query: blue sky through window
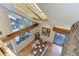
point(59, 38)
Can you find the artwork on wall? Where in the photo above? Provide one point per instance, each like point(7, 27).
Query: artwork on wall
point(46, 31)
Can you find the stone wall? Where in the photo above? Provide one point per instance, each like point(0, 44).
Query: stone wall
point(71, 45)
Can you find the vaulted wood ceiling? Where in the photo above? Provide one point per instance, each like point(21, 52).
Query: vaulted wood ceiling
point(31, 10)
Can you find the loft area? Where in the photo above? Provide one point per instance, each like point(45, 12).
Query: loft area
point(35, 29)
point(32, 35)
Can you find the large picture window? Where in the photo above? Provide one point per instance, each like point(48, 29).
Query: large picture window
point(17, 24)
point(59, 38)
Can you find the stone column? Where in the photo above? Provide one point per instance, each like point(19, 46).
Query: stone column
point(71, 45)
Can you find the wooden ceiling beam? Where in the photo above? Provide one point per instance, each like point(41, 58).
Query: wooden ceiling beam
point(61, 30)
point(31, 10)
point(17, 33)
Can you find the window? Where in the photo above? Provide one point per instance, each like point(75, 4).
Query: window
point(18, 24)
point(59, 38)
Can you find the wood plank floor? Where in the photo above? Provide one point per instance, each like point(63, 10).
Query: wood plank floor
point(53, 50)
point(26, 51)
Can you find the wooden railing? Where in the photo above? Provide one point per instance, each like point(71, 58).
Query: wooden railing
point(19, 32)
point(5, 50)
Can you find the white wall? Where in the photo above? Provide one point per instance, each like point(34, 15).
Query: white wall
point(63, 14)
point(4, 22)
point(51, 37)
point(9, 6)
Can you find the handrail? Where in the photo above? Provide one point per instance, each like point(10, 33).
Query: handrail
point(6, 50)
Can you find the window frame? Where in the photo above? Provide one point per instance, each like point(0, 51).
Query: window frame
point(13, 30)
point(55, 39)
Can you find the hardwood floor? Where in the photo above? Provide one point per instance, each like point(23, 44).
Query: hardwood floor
point(27, 50)
point(53, 50)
